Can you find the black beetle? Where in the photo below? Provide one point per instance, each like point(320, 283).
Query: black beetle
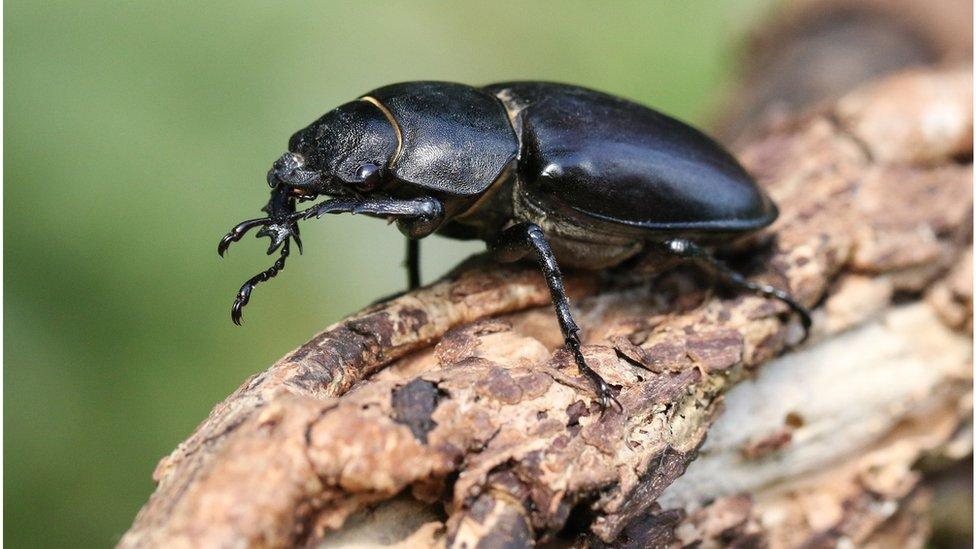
point(568, 173)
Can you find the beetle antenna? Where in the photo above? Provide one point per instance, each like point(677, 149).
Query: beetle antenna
point(244, 295)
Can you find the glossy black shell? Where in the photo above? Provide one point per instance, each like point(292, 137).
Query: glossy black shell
point(586, 154)
point(455, 138)
point(345, 138)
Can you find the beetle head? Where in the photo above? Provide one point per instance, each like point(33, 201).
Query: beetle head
point(345, 152)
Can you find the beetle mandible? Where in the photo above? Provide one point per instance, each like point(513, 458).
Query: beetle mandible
point(574, 176)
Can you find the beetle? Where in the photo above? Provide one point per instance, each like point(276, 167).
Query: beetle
point(573, 176)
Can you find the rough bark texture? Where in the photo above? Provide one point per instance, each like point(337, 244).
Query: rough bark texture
point(449, 416)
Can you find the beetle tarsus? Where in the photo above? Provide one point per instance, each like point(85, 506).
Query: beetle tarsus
point(686, 250)
point(237, 309)
point(604, 393)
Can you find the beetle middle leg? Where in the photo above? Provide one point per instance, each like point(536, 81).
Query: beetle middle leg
point(416, 218)
point(514, 244)
point(413, 264)
point(686, 250)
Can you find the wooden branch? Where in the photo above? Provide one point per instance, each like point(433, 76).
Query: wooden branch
point(816, 460)
point(454, 406)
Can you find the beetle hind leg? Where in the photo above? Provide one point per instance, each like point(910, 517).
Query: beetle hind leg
point(687, 251)
point(518, 241)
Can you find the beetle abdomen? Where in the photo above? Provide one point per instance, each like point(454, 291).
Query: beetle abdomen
point(586, 153)
point(455, 138)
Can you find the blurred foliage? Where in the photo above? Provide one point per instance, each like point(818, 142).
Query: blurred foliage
point(137, 133)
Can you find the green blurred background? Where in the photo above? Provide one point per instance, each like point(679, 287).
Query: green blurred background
point(138, 133)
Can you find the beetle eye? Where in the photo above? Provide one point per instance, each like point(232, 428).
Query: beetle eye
point(369, 177)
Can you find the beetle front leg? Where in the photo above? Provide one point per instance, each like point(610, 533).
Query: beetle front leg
point(686, 250)
point(518, 241)
point(416, 218)
point(427, 210)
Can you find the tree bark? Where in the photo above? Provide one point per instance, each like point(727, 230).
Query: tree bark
point(449, 416)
